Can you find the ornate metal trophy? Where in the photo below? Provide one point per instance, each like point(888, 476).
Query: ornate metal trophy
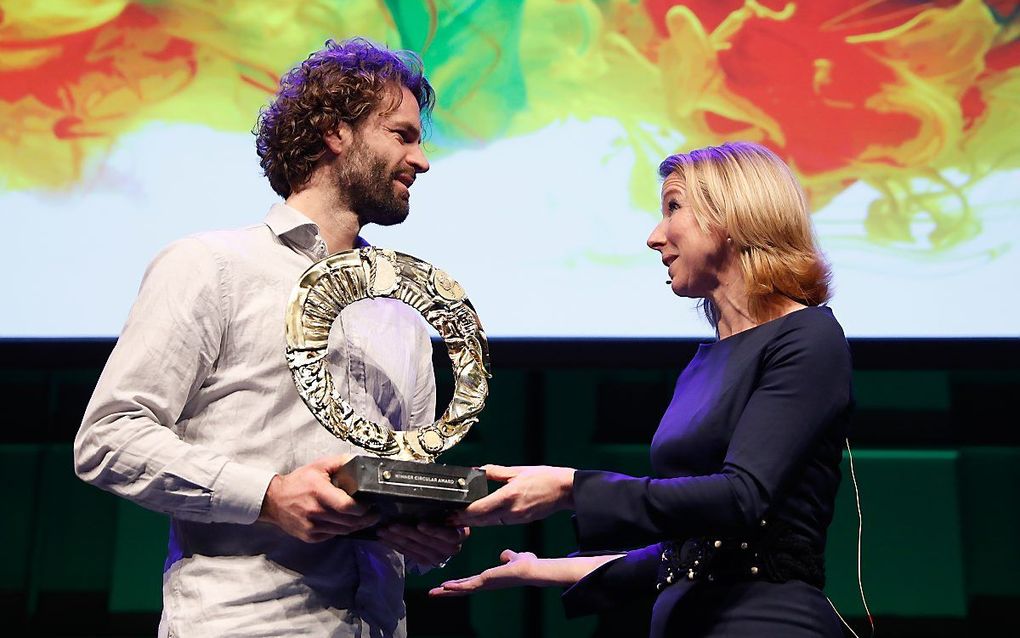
point(401, 477)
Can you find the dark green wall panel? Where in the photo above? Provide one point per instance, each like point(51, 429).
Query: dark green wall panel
point(139, 552)
point(912, 552)
point(74, 531)
point(990, 513)
point(19, 474)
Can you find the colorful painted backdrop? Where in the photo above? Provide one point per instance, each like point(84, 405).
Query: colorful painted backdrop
point(125, 124)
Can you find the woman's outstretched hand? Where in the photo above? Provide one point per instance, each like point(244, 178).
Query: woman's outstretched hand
point(531, 493)
point(524, 568)
point(517, 569)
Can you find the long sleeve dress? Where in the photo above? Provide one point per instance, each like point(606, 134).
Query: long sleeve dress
point(751, 440)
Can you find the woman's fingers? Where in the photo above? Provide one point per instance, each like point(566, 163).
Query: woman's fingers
point(511, 573)
point(502, 473)
point(486, 511)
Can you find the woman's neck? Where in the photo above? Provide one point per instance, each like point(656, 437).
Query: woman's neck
point(734, 316)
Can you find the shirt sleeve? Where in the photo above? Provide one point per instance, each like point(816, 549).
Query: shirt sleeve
point(803, 389)
point(128, 442)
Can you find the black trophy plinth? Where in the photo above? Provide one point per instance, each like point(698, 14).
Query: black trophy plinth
point(411, 492)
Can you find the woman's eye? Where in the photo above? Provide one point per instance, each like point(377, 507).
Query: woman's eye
point(673, 206)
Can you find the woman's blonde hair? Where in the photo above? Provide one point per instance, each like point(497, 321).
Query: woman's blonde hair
point(746, 191)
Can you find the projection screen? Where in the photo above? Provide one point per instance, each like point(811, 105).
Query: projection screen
point(126, 125)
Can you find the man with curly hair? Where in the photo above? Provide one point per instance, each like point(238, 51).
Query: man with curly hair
point(195, 414)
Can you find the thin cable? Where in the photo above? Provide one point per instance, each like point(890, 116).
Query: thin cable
point(845, 623)
point(860, 535)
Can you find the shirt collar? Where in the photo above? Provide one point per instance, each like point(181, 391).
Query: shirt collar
point(289, 223)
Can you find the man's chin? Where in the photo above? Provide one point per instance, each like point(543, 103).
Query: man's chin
point(390, 217)
point(392, 221)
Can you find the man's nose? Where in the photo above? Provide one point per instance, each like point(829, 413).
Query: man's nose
point(417, 159)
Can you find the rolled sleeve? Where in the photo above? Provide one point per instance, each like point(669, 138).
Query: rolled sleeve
point(238, 492)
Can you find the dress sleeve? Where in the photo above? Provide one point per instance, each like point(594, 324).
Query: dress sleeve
point(611, 585)
point(803, 389)
point(127, 443)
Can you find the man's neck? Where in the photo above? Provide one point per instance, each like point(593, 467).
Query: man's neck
point(338, 225)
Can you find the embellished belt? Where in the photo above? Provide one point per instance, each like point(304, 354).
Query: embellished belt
point(774, 557)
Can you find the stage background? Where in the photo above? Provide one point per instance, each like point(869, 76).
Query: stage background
point(936, 450)
point(124, 125)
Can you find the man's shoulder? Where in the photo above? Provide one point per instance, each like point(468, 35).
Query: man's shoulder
point(231, 239)
point(218, 245)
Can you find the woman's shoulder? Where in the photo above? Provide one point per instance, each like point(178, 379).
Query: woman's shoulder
point(812, 329)
point(814, 320)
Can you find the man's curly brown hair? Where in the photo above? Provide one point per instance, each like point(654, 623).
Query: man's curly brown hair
point(342, 82)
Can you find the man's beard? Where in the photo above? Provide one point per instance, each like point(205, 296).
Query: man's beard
point(367, 185)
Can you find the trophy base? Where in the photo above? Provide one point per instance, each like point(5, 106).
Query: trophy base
point(410, 492)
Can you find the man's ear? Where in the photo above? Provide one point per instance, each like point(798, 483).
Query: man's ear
point(339, 140)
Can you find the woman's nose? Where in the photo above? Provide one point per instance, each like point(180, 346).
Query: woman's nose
point(657, 238)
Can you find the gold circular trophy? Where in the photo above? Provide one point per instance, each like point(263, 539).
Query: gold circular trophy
point(400, 477)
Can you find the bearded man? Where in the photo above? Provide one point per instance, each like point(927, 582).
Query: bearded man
point(196, 415)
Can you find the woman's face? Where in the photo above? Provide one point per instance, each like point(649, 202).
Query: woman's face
point(697, 261)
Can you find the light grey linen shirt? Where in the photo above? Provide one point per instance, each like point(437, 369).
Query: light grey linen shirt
point(195, 412)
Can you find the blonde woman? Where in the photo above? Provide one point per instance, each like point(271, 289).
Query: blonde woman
point(728, 537)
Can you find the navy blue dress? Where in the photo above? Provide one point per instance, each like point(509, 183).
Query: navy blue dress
point(754, 432)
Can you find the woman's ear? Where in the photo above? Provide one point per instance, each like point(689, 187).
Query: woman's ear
point(339, 140)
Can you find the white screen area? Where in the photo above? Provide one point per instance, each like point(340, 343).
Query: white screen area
point(540, 229)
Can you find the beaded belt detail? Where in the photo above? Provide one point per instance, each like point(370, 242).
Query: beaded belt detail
point(775, 555)
point(710, 559)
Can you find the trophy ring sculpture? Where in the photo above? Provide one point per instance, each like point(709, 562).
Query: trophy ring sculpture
point(339, 280)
